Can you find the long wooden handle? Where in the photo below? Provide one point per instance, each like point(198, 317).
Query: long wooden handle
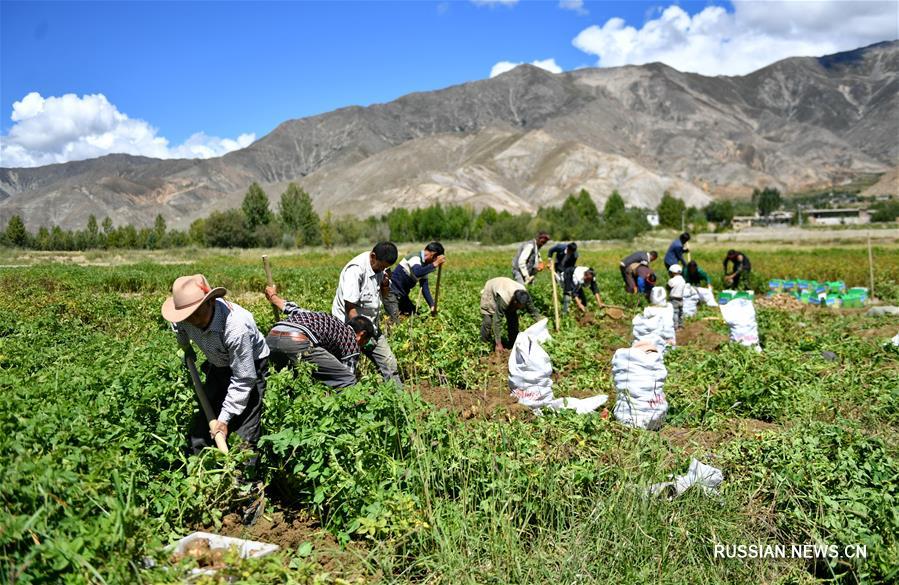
point(437, 287)
point(219, 438)
point(270, 281)
point(552, 276)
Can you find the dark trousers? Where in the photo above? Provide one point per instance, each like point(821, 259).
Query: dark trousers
point(396, 305)
point(742, 279)
point(286, 350)
point(630, 284)
point(511, 328)
point(246, 425)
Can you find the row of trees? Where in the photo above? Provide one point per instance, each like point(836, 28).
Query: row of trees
point(294, 222)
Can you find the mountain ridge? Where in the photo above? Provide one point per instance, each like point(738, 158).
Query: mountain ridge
point(523, 139)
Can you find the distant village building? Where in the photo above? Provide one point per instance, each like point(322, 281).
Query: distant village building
point(653, 219)
point(837, 216)
point(775, 219)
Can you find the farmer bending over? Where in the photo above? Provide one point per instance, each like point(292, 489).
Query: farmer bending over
point(629, 269)
point(363, 283)
point(740, 272)
point(573, 282)
point(565, 256)
point(502, 299)
point(236, 363)
point(321, 339)
point(413, 269)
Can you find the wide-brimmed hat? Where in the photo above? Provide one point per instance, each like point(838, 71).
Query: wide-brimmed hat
point(188, 293)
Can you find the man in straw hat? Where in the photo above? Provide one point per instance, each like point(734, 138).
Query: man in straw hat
point(236, 359)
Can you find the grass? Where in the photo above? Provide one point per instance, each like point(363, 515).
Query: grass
point(93, 478)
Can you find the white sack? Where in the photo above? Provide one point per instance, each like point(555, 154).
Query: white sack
point(639, 373)
point(530, 371)
point(579, 405)
point(708, 479)
point(691, 301)
point(665, 327)
point(739, 314)
point(530, 374)
point(895, 340)
point(707, 296)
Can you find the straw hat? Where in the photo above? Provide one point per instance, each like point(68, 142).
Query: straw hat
point(188, 293)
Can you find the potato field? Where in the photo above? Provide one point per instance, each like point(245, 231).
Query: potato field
point(448, 480)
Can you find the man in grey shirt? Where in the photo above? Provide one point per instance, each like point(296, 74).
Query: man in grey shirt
point(236, 363)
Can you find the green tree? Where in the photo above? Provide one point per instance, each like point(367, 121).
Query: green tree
point(197, 231)
point(721, 213)
point(227, 229)
point(327, 230)
point(614, 208)
point(107, 226)
point(159, 228)
point(255, 207)
point(768, 200)
point(16, 234)
point(671, 211)
point(299, 217)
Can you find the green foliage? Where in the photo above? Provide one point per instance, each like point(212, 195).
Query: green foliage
point(671, 211)
point(227, 229)
point(298, 216)
point(768, 200)
point(885, 211)
point(721, 213)
point(613, 210)
point(94, 476)
point(16, 234)
point(255, 207)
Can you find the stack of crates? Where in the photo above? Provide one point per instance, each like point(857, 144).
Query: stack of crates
point(855, 297)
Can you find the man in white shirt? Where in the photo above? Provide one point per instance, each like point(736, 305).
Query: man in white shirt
point(676, 286)
point(236, 363)
point(362, 285)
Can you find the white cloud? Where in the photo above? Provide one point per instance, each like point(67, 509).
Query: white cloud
point(574, 5)
point(504, 66)
point(717, 42)
point(61, 129)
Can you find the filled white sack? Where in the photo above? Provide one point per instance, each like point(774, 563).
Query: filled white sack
point(639, 374)
point(739, 314)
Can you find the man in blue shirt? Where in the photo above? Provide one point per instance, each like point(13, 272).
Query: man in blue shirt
point(413, 269)
point(565, 257)
point(676, 251)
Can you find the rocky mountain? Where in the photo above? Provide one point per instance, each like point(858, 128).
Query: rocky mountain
point(518, 141)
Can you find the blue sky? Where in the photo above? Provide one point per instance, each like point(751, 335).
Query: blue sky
point(225, 69)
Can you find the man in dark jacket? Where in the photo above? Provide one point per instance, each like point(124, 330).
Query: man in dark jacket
point(565, 256)
point(676, 251)
point(413, 269)
point(739, 275)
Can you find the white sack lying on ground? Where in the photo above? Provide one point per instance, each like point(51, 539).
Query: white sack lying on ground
point(691, 301)
point(739, 314)
point(895, 340)
point(707, 296)
point(530, 374)
point(639, 374)
point(708, 479)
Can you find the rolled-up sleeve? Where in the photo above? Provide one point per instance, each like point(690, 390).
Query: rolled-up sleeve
point(243, 374)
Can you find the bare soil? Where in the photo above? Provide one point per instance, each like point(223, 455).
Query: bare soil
point(698, 333)
point(289, 530)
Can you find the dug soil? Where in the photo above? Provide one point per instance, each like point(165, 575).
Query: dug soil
point(289, 530)
point(699, 334)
